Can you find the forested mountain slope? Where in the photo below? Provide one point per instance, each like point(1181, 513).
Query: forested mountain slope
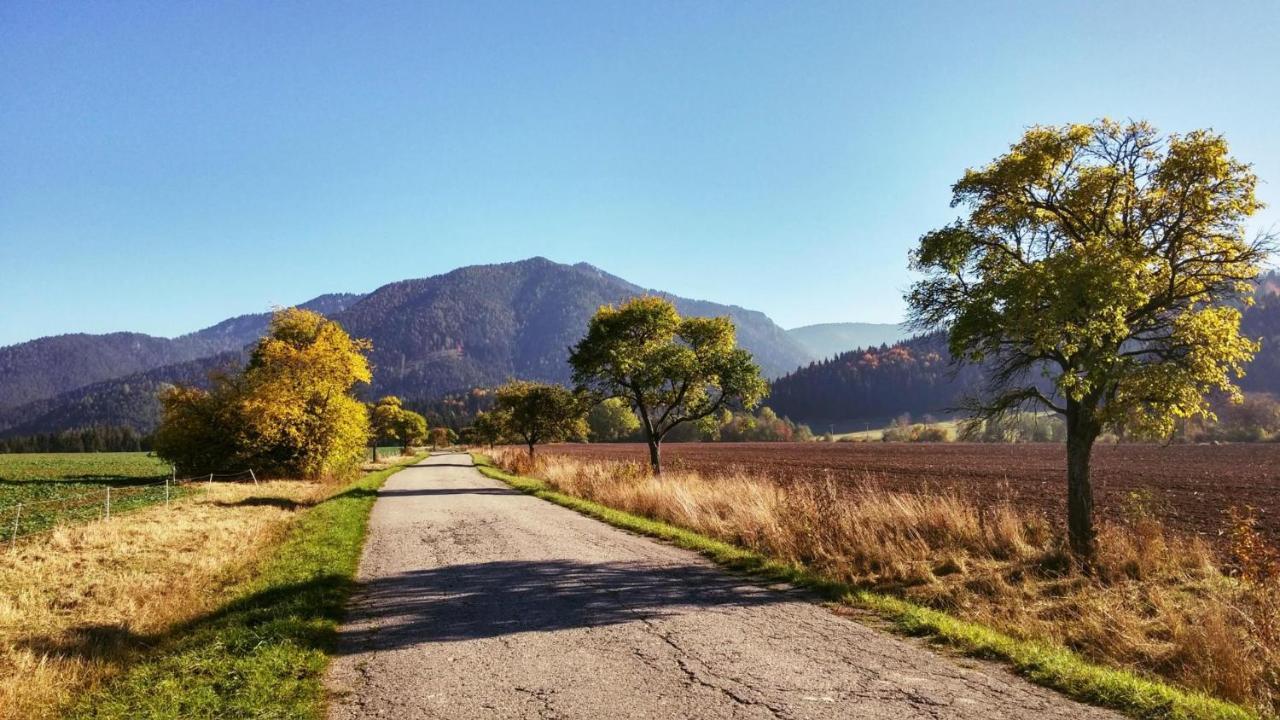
point(49, 366)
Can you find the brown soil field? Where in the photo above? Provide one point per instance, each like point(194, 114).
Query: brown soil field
point(1191, 486)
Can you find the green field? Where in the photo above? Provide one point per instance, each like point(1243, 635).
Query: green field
point(55, 488)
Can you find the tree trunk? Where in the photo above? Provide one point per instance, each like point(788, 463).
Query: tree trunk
point(1082, 431)
point(531, 451)
point(375, 451)
point(655, 456)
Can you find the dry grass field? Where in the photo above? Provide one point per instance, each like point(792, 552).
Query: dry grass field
point(78, 603)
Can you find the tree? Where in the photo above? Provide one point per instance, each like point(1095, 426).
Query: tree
point(392, 422)
point(539, 413)
point(611, 420)
point(672, 370)
point(442, 436)
point(290, 412)
point(489, 427)
point(1098, 274)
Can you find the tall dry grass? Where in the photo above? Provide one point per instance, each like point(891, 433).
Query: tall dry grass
point(78, 603)
point(1154, 601)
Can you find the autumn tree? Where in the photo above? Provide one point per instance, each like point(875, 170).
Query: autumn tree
point(291, 410)
point(392, 422)
point(538, 412)
point(1099, 273)
point(488, 427)
point(671, 370)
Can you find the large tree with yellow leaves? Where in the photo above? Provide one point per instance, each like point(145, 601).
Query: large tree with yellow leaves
point(290, 412)
point(1099, 274)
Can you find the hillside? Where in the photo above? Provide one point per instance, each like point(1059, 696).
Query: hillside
point(827, 340)
point(49, 366)
point(473, 326)
point(916, 376)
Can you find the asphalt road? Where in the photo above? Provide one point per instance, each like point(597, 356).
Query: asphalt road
point(481, 602)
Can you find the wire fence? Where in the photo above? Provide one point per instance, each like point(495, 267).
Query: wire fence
point(28, 518)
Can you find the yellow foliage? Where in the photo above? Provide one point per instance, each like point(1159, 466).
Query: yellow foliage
point(290, 412)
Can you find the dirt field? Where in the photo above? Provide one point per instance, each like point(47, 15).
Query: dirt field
point(1192, 485)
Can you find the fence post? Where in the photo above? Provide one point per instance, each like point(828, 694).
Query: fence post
point(166, 492)
point(17, 515)
point(255, 477)
point(108, 502)
point(210, 478)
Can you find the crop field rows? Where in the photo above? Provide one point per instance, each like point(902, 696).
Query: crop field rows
point(1190, 486)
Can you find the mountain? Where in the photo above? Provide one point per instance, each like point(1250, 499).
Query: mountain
point(875, 384)
point(916, 376)
point(483, 324)
point(50, 366)
point(829, 339)
point(474, 326)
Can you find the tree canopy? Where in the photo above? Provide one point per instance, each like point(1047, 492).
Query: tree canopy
point(671, 370)
point(611, 420)
point(1099, 273)
point(290, 412)
point(539, 412)
point(392, 422)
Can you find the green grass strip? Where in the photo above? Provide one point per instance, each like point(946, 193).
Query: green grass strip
point(264, 654)
point(1049, 665)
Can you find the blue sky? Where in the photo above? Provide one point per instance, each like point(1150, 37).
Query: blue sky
point(167, 165)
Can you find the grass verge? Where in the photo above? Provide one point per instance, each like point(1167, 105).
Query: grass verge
point(263, 655)
point(1051, 666)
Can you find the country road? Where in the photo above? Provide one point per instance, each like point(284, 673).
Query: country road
point(477, 601)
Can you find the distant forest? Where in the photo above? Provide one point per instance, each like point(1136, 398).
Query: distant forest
point(94, 439)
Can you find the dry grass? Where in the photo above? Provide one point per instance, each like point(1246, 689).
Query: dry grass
point(1155, 602)
point(78, 603)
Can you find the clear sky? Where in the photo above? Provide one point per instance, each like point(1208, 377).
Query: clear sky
point(166, 165)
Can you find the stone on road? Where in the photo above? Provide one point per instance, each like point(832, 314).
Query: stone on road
point(477, 601)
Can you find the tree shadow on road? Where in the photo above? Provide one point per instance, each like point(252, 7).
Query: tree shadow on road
point(463, 602)
point(415, 492)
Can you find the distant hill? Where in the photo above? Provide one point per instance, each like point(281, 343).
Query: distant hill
point(474, 326)
point(875, 384)
point(50, 366)
point(916, 376)
point(827, 340)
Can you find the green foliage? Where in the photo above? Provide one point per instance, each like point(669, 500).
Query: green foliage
point(1106, 256)
point(290, 412)
point(763, 425)
point(672, 370)
point(264, 654)
point(392, 422)
point(612, 420)
point(540, 413)
point(489, 428)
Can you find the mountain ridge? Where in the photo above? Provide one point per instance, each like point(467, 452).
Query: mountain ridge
point(472, 326)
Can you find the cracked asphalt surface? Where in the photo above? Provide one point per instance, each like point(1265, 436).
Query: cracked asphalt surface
point(478, 601)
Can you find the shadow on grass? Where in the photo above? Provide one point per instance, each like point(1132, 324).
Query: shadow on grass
point(265, 501)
